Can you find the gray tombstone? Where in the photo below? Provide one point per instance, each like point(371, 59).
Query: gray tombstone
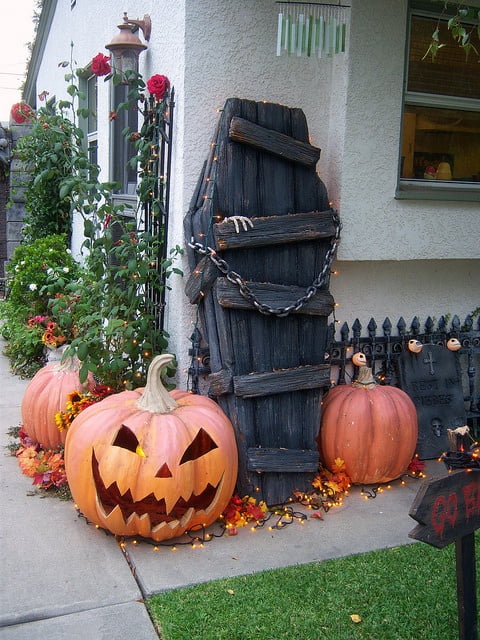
point(433, 380)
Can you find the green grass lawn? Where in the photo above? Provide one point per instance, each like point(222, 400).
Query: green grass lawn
point(404, 593)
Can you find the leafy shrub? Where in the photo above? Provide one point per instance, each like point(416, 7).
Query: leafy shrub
point(24, 347)
point(33, 265)
point(47, 154)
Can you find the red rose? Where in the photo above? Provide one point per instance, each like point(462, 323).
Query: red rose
point(99, 65)
point(158, 86)
point(22, 112)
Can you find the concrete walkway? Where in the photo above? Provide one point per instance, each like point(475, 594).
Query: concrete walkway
point(62, 578)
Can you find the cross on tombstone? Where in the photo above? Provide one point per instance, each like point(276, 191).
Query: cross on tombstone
point(430, 360)
point(437, 394)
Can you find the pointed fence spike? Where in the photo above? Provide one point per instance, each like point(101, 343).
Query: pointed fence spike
point(415, 326)
point(344, 331)
point(387, 327)
point(401, 326)
point(456, 325)
point(357, 328)
point(468, 324)
point(429, 324)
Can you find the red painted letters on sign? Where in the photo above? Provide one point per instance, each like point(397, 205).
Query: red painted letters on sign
point(444, 512)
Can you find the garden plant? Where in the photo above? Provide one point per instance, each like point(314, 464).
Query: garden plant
point(103, 307)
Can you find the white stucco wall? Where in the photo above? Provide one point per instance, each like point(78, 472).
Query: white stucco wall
point(231, 53)
point(397, 257)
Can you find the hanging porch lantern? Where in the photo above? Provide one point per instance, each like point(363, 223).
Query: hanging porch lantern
point(126, 46)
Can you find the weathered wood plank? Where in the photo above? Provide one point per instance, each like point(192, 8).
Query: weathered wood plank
point(263, 384)
point(220, 382)
point(200, 280)
point(447, 508)
point(271, 141)
point(275, 230)
point(265, 460)
point(274, 295)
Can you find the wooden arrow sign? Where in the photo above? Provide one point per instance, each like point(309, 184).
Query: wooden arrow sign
point(447, 508)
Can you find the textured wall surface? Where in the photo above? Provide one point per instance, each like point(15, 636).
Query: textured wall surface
point(376, 226)
point(396, 257)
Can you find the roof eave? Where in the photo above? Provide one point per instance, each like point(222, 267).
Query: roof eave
point(29, 93)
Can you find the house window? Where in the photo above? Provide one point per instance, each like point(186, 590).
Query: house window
point(88, 124)
point(440, 144)
point(92, 129)
point(122, 148)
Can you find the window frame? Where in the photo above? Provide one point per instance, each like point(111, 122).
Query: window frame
point(90, 135)
point(409, 188)
point(118, 139)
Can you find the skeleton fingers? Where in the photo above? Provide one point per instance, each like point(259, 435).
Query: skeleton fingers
point(239, 220)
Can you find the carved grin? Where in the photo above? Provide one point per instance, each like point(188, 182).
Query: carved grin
point(111, 497)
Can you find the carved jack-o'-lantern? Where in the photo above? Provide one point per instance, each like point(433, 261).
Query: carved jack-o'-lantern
point(150, 462)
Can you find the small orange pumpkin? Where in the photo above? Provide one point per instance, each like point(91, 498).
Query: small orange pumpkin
point(152, 463)
point(372, 427)
point(46, 395)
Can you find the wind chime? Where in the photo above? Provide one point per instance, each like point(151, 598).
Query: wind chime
point(311, 29)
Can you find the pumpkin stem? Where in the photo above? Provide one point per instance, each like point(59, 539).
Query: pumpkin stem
point(365, 378)
point(68, 363)
point(155, 398)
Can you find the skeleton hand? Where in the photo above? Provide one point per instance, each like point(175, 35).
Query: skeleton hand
point(243, 220)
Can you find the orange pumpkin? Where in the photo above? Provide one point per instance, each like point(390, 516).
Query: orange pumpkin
point(150, 462)
point(46, 395)
point(373, 428)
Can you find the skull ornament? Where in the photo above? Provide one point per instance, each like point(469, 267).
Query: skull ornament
point(152, 463)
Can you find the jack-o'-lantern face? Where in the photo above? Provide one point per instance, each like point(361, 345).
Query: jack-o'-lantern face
point(163, 480)
point(157, 475)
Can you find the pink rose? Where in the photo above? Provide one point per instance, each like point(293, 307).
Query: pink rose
point(158, 86)
point(22, 112)
point(99, 65)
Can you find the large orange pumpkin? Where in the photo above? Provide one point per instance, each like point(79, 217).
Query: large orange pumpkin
point(46, 395)
point(373, 428)
point(150, 462)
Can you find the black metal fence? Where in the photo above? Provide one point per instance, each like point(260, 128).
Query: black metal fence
point(159, 125)
point(383, 345)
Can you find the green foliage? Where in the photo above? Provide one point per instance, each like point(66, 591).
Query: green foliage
point(116, 320)
point(24, 347)
point(400, 594)
point(47, 155)
point(110, 308)
point(462, 23)
point(38, 274)
point(33, 265)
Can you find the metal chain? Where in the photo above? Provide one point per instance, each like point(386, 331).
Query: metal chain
point(247, 293)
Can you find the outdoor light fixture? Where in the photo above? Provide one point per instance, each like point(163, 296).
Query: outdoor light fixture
point(126, 46)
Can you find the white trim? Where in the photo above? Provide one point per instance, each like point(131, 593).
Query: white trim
point(438, 190)
point(436, 100)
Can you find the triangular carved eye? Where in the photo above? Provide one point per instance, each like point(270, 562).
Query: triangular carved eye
point(201, 445)
point(164, 472)
point(126, 439)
